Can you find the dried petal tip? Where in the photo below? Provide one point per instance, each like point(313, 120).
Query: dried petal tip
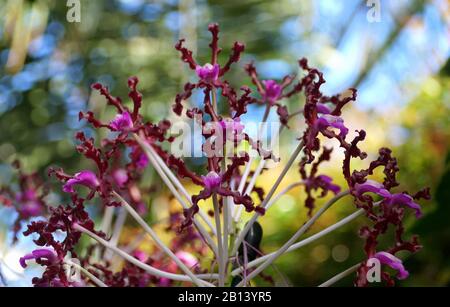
point(86, 178)
point(212, 181)
point(38, 254)
point(272, 91)
point(122, 122)
point(208, 72)
point(393, 262)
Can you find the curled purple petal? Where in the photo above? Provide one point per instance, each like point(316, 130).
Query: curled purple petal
point(390, 199)
point(393, 262)
point(323, 108)
point(327, 120)
point(48, 254)
point(371, 186)
point(405, 200)
point(86, 178)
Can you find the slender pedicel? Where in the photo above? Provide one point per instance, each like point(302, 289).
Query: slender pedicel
point(267, 198)
point(133, 260)
point(299, 232)
point(157, 240)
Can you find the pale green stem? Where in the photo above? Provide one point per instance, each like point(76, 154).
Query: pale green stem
point(284, 191)
point(180, 186)
point(177, 195)
point(294, 238)
point(157, 240)
point(88, 274)
point(220, 260)
point(117, 231)
point(238, 210)
point(256, 215)
point(136, 262)
point(340, 276)
point(304, 242)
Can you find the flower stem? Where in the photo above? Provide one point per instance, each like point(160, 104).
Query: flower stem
point(339, 276)
point(220, 259)
point(178, 184)
point(294, 238)
point(177, 195)
point(136, 262)
point(238, 210)
point(117, 230)
point(304, 242)
point(88, 274)
point(157, 240)
point(255, 216)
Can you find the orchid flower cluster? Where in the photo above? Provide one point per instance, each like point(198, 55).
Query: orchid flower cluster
point(216, 247)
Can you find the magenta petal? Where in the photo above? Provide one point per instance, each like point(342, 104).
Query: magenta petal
point(406, 200)
point(142, 161)
point(48, 254)
point(122, 122)
point(393, 262)
point(86, 178)
point(120, 177)
point(272, 90)
point(323, 108)
point(212, 181)
point(327, 120)
point(208, 72)
point(371, 186)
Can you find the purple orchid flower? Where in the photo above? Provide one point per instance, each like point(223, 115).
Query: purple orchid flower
point(212, 181)
point(327, 120)
point(393, 262)
point(47, 254)
point(86, 178)
point(122, 122)
point(272, 91)
point(208, 72)
point(389, 199)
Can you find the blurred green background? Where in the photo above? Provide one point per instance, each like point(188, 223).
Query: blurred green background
point(399, 64)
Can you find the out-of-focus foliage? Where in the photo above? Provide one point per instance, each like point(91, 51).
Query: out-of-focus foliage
point(47, 66)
